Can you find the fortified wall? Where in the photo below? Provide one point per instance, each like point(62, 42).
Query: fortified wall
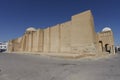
point(76, 36)
point(106, 41)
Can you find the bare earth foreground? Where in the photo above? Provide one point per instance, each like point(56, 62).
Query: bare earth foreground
point(33, 67)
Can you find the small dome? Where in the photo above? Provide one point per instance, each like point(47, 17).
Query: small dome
point(30, 29)
point(106, 29)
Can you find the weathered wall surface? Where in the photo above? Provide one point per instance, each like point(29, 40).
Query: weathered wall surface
point(82, 33)
point(106, 38)
point(40, 36)
point(23, 42)
point(34, 42)
point(47, 40)
point(65, 41)
point(14, 45)
point(55, 39)
point(75, 36)
point(29, 42)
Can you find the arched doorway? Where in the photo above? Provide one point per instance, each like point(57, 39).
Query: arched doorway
point(107, 48)
point(101, 45)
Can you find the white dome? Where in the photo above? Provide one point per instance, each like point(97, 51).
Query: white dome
point(106, 29)
point(30, 29)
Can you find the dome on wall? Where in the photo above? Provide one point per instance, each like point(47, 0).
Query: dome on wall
point(106, 29)
point(30, 29)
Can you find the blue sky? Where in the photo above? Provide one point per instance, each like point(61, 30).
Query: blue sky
point(17, 15)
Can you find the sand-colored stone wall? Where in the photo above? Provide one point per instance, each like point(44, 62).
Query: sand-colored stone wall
point(65, 40)
point(106, 38)
point(16, 46)
point(35, 42)
point(55, 39)
point(47, 40)
point(76, 36)
point(40, 40)
point(82, 33)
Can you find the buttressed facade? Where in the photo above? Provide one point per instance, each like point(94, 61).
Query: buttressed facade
point(76, 36)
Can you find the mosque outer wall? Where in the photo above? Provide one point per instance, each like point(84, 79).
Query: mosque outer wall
point(75, 36)
point(83, 37)
point(106, 41)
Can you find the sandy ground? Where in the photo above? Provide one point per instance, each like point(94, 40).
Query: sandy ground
point(34, 67)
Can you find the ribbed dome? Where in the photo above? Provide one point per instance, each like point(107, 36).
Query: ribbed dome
point(106, 29)
point(30, 29)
